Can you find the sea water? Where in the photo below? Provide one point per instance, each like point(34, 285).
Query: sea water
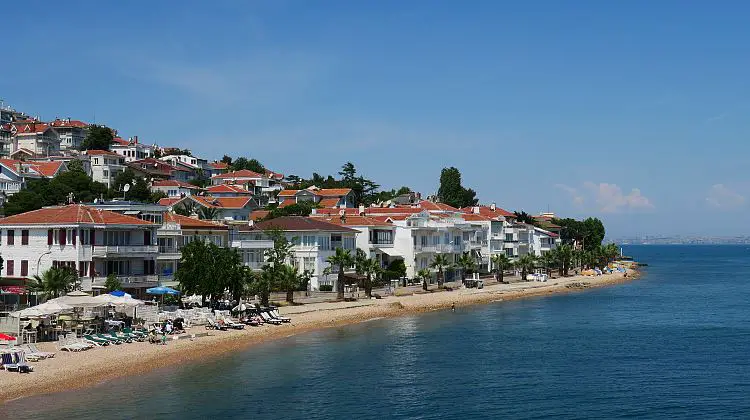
point(673, 344)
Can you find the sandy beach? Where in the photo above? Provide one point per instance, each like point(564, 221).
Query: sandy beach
point(68, 371)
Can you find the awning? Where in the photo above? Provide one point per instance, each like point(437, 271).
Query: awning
point(132, 212)
point(13, 290)
point(391, 252)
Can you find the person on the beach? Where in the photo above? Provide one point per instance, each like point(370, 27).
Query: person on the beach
point(453, 306)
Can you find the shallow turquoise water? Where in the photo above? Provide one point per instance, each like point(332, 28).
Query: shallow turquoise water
point(675, 344)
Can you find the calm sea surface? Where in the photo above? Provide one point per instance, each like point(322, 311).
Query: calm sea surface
point(675, 344)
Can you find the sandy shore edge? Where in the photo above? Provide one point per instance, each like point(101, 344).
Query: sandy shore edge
point(70, 371)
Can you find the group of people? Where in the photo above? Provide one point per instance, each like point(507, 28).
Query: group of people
point(158, 332)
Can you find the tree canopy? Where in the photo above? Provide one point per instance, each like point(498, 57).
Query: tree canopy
point(98, 137)
point(244, 163)
point(451, 191)
point(364, 190)
point(590, 232)
point(303, 208)
point(524, 217)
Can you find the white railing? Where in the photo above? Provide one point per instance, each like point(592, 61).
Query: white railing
point(104, 250)
point(382, 244)
point(444, 248)
point(252, 244)
point(129, 279)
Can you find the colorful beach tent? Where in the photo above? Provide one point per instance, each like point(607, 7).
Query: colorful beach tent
point(162, 290)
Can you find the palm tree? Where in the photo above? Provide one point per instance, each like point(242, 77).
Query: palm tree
point(289, 280)
point(209, 213)
point(440, 262)
point(55, 281)
point(548, 259)
point(526, 263)
point(186, 208)
point(564, 254)
point(467, 264)
point(500, 263)
point(425, 275)
point(370, 267)
point(341, 259)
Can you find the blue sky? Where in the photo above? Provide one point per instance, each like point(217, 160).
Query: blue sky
point(635, 112)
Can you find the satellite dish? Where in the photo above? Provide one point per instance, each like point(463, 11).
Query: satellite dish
point(126, 187)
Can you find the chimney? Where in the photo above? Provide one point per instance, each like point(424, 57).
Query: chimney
point(314, 211)
point(475, 209)
point(361, 210)
point(342, 215)
point(250, 222)
point(135, 139)
point(493, 206)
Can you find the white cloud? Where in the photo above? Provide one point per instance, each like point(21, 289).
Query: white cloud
point(606, 198)
point(721, 197)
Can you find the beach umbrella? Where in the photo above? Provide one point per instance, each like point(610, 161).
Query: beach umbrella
point(78, 299)
point(45, 309)
point(119, 293)
point(162, 290)
point(6, 337)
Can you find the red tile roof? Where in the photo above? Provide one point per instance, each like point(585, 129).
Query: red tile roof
point(487, 211)
point(218, 165)
point(68, 124)
point(299, 223)
point(354, 220)
point(244, 173)
point(258, 215)
point(325, 192)
point(228, 188)
point(47, 169)
point(274, 175)
point(328, 202)
point(222, 202)
point(173, 183)
point(471, 217)
point(30, 127)
point(189, 222)
point(100, 153)
point(168, 202)
point(71, 214)
point(429, 205)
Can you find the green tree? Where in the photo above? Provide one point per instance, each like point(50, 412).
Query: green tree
point(548, 260)
point(264, 283)
point(501, 263)
point(195, 269)
point(98, 137)
point(340, 260)
point(186, 208)
point(303, 208)
point(156, 196)
point(451, 191)
point(249, 164)
point(523, 217)
point(112, 283)
point(371, 269)
point(396, 269)
point(54, 282)
point(526, 263)
point(425, 275)
point(467, 264)
point(23, 201)
point(288, 280)
point(564, 255)
point(440, 262)
point(226, 159)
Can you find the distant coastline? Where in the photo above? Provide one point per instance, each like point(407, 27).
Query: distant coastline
point(685, 241)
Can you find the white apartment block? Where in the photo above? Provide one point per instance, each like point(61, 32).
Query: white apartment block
point(375, 237)
point(313, 242)
point(35, 139)
point(94, 242)
point(71, 132)
point(173, 188)
point(105, 166)
point(131, 149)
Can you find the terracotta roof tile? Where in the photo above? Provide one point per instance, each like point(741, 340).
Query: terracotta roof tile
point(328, 202)
point(258, 215)
point(244, 173)
point(189, 222)
point(218, 165)
point(228, 188)
point(174, 183)
point(100, 153)
point(170, 201)
point(299, 223)
point(71, 214)
point(68, 124)
point(354, 220)
point(222, 202)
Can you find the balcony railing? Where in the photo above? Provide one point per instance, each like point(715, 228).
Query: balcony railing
point(129, 279)
point(382, 244)
point(252, 244)
point(443, 248)
point(105, 250)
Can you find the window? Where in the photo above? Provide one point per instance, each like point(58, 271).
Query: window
point(96, 161)
point(11, 237)
point(296, 240)
point(24, 268)
point(447, 238)
point(105, 173)
point(423, 240)
point(509, 237)
point(309, 264)
point(324, 243)
point(308, 240)
point(9, 267)
point(348, 243)
point(24, 238)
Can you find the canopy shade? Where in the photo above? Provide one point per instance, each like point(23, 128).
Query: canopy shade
point(162, 290)
point(47, 308)
point(120, 301)
point(79, 300)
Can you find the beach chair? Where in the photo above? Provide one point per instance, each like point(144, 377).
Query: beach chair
point(275, 313)
point(96, 340)
point(213, 325)
point(123, 338)
point(267, 318)
point(31, 356)
point(46, 354)
point(109, 338)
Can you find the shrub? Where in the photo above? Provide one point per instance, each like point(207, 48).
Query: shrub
point(326, 287)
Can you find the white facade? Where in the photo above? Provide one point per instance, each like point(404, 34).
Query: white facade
point(94, 250)
point(174, 188)
point(132, 150)
point(105, 166)
point(36, 137)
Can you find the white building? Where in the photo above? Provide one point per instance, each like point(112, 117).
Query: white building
point(220, 208)
point(174, 188)
point(6, 139)
point(94, 242)
point(34, 138)
point(131, 149)
point(178, 231)
point(374, 237)
point(263, 186)
point(314, 241)
point(105, 166)
point(71, 132)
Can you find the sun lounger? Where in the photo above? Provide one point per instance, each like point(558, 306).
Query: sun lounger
point(46, 354)
point(234, 325)
point(31, 355)
point(267, 318)
point(275, 313)
point(213, 325)
point(96, 340)
point(122, 338)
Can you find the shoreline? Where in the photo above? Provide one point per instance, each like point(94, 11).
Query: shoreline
point(73, 371)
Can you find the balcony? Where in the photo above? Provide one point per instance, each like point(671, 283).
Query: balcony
point(132, 280)
point(381, 244)
point(103, 251)
point(252, 244)
point(169, 253)
point(443, 248)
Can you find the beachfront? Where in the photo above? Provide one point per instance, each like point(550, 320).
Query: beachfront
point(68, 371)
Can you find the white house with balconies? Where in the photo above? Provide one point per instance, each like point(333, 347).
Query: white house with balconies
point(375, 237)
point(105, 166)
point(313, 241)
point(96, 243)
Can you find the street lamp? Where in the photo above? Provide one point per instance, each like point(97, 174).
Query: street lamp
point(38, 261)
